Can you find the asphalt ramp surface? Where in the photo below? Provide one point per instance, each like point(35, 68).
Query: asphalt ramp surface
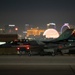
point(37, 70)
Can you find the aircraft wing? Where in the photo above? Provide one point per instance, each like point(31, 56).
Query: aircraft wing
point(67, 34)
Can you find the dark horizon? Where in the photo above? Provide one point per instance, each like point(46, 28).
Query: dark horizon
point(37, 13)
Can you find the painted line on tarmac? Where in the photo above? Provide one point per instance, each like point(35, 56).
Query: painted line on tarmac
point(37, 63)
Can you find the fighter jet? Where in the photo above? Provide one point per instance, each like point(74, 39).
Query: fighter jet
point(64, 44)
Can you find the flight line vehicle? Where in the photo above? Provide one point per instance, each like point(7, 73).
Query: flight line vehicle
point(64, 44)
point(30, 47)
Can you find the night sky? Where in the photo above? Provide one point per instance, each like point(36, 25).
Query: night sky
point(37, 12)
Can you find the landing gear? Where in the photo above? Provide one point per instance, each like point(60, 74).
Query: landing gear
point(29, 53)
point(53, 53)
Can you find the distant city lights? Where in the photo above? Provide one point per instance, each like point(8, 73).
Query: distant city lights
point(51, 24)
point(67, 25)
point(16, 29)
point(31, 31)
point(10, 25)
point(51, 33)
